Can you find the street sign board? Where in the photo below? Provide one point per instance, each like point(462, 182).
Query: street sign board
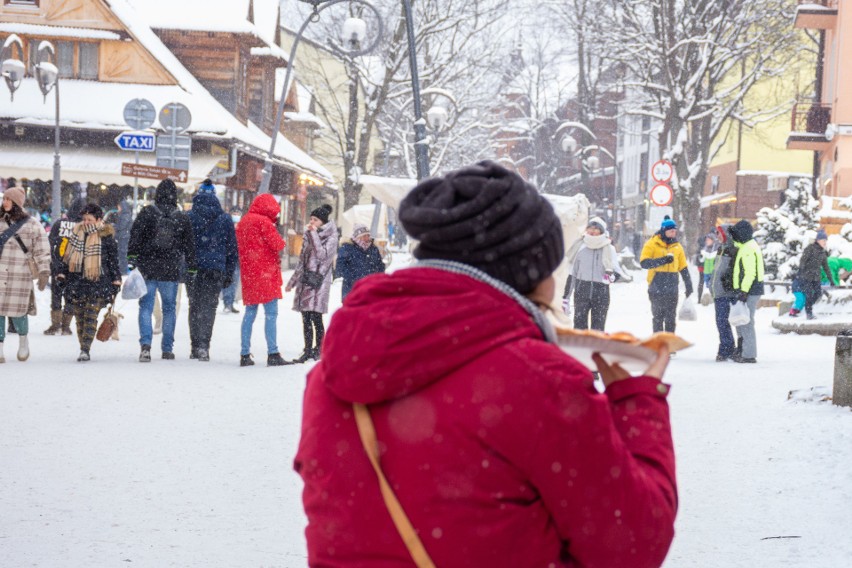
point(175, 117)
point(139, 114)
point(153, 172)
point(661, 195)
point(135, 141)
point(662, 171)
point(174, 151)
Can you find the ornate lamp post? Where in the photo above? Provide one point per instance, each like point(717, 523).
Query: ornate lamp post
point(354, 32)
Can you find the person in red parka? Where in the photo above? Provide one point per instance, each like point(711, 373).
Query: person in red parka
point(259, 246)
point(498, 446)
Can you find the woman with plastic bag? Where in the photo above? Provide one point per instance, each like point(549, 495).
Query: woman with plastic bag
point(91, 273)
point(748, 286)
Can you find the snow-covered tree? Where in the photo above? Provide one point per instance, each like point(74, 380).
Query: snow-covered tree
point(695, 62)
point(786, 230)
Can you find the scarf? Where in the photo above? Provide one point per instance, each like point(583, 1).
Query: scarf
point(83, 254)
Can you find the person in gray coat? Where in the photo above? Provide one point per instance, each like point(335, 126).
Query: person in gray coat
point(312, 279)
point(592, 270)
point(722, 289)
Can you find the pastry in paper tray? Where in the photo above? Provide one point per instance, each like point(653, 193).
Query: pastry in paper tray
point(624, 348)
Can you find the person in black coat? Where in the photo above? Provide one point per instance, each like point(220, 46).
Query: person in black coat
point(122, 233)
point(60, 233)
point(358, 258)
point(216, 256)
point(814, 261)
point(161, 245)
point(90, 273)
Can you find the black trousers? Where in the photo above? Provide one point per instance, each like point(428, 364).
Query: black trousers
point(812, 291)
point(313, 329)
point(203, 292)
point(664, 312)
point(57, 293)
point(590, 298)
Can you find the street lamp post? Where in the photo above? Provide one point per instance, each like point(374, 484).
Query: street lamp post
point(353, 31)
point(421, 151)
point(47, 75)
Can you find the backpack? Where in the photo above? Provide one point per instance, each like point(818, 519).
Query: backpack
point(166, 231)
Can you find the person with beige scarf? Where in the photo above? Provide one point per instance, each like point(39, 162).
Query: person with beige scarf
point(593, 263)
point(91, 273)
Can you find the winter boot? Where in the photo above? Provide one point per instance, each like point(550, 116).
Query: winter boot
point(794, 313)
point(315, 353)
point(202, 354)
point(145, 354)
point(2, 358)
point(23, 348)
point(84, 356)
point(246, 360)
point(275, 360)
point(66, 324)
point(55, 323)
point(168, 356)
point(304, 357)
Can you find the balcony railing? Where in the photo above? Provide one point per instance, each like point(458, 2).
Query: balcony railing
point(811, 118)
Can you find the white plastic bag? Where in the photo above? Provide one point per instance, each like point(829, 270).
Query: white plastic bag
point(687, 311)
point(134, 287)
point(739, 315)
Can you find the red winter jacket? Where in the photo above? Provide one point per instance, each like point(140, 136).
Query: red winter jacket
point(260, 246)
point(496, 443)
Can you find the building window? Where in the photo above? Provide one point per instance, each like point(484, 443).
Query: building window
point(88, 61)
point(65, 59)
point(33, 3)
point(75, 60)
point(714, 184)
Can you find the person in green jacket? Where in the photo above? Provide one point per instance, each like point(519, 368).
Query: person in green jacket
point(835, 265)
point(748, 287)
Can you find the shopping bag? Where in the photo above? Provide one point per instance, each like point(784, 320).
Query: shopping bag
point(739, 314)
point(687, 311)
point(134, 287)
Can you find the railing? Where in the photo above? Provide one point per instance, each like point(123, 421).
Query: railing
point(811, 117)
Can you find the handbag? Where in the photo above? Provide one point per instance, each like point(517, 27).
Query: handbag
point(312, 278)
point(108, 327)
point(31, 263)
point(367, 433)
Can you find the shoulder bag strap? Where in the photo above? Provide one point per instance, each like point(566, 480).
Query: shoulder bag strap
point(367, 432)
point(22, 245)
point(10, 232)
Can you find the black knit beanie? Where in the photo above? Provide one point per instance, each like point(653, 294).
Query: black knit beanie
point(322, 212)
point(487, 217)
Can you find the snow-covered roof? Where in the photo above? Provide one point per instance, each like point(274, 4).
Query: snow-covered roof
point(58, 31)
point(269, 51)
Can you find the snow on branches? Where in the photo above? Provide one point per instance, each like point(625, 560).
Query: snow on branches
point(786, 230)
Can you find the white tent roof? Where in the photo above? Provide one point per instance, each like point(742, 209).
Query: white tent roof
point(389, 191)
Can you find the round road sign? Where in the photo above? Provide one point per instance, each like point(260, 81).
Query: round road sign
point(662, 171)
point(175, 117)
point(139, 114)
point(661, 195)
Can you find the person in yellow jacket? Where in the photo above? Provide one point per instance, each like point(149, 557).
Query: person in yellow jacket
point(748, 287)
point(664, 258)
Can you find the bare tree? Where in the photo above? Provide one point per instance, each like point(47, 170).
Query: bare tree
point(693, 62)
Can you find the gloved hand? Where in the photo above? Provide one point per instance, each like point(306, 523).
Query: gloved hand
point(668, 259)
point(43, 279)
point(566, 305)
point(131, 263)
point(742, 297)
point(609, 276)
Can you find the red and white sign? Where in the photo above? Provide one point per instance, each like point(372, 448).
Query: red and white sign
point(662, 171)
point(661, 195)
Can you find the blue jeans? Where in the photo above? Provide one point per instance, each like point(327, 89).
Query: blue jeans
point(168, 295)
point(726, 334)
point(229, 294)
point(270, 311)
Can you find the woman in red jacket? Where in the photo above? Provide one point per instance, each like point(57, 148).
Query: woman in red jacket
point(496, 443)
point(259, 246)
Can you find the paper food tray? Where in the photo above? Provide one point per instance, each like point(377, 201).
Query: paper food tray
point(633, 358)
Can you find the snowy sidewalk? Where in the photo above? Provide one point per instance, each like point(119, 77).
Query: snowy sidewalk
point(182, 463)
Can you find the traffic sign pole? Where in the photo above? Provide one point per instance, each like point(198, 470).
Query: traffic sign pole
point(138, 114)
point(136, 188)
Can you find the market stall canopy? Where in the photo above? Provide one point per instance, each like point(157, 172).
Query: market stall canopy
point(388, 190)
point(363, 214)
point(85, 164)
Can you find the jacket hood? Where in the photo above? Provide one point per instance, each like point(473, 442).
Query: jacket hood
point(266, 206)
point(75, 209)
point(381, 344)
point(207, 206)
point(742, 232)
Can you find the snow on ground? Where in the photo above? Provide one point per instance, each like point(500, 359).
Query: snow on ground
point(182, 463)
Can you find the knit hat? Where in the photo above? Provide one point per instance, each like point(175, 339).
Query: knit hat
point(207, 187)
point(742, 232)
point(821, 235)
point(597, 222)
point(667, 224)
point(359, 230)
point(487, 217)
point(322, 212)
point(166, 195)
point(16, 195)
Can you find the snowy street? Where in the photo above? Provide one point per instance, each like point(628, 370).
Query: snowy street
point(182, 463)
